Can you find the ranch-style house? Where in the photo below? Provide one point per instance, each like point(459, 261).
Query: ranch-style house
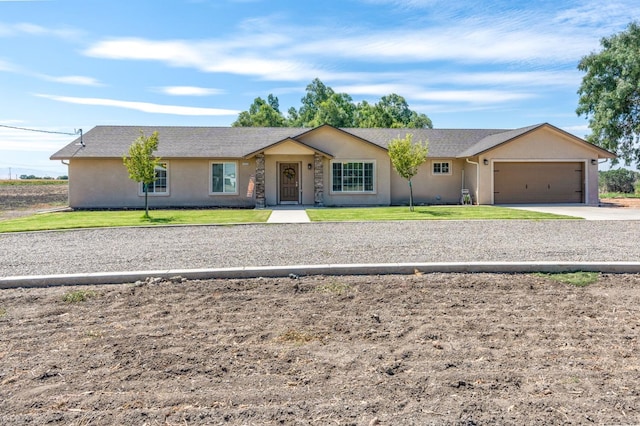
point(327, 166)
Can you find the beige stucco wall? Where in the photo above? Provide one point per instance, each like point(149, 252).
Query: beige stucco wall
point(544, 144)
point(105, 183)
point(429, 188)
point(344, 147)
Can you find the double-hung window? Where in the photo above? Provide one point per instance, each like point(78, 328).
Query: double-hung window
point(224, 177)
point(353, 176)
point(160, 186)
point(441, 168)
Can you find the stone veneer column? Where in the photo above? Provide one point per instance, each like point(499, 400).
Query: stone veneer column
point(260, 185)
point(318, 181)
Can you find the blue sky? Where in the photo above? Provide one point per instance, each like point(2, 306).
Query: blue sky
point(70, 64)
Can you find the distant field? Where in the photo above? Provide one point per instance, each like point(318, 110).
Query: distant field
point(28, 182)
point(18, 197)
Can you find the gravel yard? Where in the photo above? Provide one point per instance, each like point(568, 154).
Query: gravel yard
point(133, 249)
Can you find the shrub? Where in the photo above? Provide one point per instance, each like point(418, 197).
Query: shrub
point(618, 180)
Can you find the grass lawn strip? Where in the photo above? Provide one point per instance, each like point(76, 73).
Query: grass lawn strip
point(102, 219)
point(363, 214)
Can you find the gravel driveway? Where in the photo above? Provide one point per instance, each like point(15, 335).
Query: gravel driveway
point(156, 248)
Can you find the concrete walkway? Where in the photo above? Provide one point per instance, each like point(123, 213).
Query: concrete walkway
point(294, 213)
point(582, 211)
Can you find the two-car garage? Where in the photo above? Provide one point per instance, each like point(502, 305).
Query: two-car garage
point(538, 182)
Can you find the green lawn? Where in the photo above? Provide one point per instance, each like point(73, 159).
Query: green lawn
point(101, 219)
point(425, 213)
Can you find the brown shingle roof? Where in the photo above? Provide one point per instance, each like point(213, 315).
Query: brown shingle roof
point(237, 142)
point(175, 142)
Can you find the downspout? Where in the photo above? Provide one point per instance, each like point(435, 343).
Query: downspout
point(477, 177)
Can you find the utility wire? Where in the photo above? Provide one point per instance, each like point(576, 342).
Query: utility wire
point(40, 131)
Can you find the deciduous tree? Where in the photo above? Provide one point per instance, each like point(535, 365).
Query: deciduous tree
point(261, 114)
point(141, 163)
point(406, 157)
point(322, 105)
point(610, 94)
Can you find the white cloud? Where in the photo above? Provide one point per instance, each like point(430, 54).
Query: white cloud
point(396, 82)
point(189, 91)
point(30, 29)
point(26, 28)
point(73, 79)
point(21, 140)
point(206, 56)
point(472, 96)
point(284, 52)
point(607, 17)
point(143, 106)
point(70, 79)
point(528, 78)
point(380, 89)
point(447, 96)
point(461, 43)
point(580, 131)
point(6, 66)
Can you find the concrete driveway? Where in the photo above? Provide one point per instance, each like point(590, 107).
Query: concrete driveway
point(582, 211)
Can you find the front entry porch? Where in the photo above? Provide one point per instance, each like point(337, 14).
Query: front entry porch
point(289, 179)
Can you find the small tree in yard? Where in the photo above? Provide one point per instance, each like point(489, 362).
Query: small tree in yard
point(406, 157)
point(141, 163)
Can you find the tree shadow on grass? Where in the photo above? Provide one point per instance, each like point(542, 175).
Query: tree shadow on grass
point(434, 213)
point(160, 219)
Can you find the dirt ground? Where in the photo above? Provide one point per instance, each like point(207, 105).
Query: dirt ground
point(463, 349)
point(22, 200)
point(622, 202)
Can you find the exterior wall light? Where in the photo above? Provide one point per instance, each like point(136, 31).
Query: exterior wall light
point(309, 166)
point(485, 162)
point(594, 161)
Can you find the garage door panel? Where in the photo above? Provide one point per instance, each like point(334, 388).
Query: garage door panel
point(538, 182)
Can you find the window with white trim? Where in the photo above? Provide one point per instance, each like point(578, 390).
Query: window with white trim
point(441, 167)
point(224, 177)
point(160, 185)
point(352, 176)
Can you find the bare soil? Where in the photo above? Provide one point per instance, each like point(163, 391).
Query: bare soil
point(464, 349)
point(23, 200)
point(622, 202)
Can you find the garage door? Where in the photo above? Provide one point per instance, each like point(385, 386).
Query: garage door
point(542, 182)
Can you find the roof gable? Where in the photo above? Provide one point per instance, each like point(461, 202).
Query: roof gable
point(289, 146)
point(494, 141)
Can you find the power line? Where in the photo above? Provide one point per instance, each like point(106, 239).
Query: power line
point(41, 131)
